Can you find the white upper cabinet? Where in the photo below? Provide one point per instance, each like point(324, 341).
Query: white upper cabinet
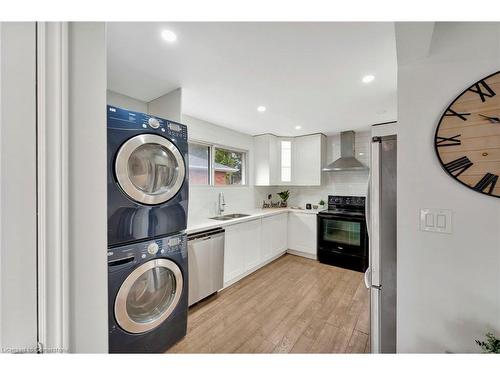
point(289, 161)
point(308, 159)
point(266, 160)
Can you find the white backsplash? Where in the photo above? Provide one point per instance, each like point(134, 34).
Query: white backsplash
point(203, 201)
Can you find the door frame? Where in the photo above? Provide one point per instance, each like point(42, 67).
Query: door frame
point(72, 227)
point(52, 184)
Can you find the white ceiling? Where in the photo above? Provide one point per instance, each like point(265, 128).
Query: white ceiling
point(306, 74)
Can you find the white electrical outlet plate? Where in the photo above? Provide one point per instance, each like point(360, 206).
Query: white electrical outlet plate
point(436, 220)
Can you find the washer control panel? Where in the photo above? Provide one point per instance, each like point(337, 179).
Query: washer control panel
point(154, 123)
point(153, 248)
point(142, 251)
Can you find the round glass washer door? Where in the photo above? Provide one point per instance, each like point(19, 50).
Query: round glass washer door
point(150, 169)
point(148, 296)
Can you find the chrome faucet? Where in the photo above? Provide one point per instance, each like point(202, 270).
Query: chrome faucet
point(222, 204)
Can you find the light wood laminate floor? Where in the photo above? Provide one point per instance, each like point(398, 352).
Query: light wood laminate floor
point(292, 305)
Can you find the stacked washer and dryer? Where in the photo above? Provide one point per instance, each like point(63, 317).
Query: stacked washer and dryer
point(147, 244)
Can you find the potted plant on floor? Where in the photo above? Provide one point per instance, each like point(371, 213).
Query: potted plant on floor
point(491, 345)
point(284, 195)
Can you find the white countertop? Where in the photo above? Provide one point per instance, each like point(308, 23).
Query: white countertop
point(206, 224)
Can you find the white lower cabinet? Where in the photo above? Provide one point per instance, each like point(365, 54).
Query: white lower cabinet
point(252, 244)
point(233, 253)
point(242, 249)
point(302, 234)
point(274, 235)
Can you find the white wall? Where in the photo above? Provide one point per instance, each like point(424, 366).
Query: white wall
point(203, 199)
point(448, 284)
point(168, 106)
point(87, 188)
point(125, 102)
point(335, 183)
point(18, 225)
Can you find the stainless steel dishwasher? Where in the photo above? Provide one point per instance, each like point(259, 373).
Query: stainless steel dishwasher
point(206, 263)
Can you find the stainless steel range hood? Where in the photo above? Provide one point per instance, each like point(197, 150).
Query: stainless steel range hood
point(347, 160)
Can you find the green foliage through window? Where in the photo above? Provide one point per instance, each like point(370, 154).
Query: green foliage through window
point(234, 161)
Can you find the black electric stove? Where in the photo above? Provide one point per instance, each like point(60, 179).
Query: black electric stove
point(342, 233)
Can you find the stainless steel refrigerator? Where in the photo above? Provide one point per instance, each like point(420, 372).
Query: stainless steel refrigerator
point(380, 276)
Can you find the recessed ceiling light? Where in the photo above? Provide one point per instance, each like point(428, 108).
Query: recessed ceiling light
point(298, 127)
point(261, 108)
point(368, 78)
point(169, 36)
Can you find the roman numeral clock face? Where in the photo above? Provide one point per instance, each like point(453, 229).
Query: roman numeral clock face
point(467, 138)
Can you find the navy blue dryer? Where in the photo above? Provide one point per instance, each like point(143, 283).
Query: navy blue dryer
point(147, 176)
point(147, 295)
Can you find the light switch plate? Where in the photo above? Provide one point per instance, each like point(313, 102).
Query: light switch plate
point(436, 220)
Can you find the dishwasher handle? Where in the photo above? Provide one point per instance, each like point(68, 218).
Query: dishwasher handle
point(206, 235)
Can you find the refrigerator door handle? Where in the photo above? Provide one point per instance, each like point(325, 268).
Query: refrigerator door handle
point(367, 278)
point(375, 213)
point(368, 282)
point(367, 205)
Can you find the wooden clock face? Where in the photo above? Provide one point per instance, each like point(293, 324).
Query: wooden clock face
point(467, 139)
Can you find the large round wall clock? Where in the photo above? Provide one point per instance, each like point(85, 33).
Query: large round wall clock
point(467, 139)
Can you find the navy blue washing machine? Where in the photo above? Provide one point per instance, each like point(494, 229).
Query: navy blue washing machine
point(147, 176)
point(148, 295)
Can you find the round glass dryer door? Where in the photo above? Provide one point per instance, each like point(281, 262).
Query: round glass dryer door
point(148, 296)
point(150, 169)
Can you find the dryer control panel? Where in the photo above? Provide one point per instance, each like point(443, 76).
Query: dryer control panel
point(119, 118)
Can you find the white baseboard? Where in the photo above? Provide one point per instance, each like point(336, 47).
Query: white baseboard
point(302, 254)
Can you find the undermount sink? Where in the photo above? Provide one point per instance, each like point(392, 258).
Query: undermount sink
point(229, 217)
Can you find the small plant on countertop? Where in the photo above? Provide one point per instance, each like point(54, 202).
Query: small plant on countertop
point(491, 345)
point(284, 195)
point(321, 202)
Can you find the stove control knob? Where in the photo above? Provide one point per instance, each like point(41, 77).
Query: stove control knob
point(154, 123)
point(153, 248)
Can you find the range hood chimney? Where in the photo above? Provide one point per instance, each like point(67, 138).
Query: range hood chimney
point(347, 160)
